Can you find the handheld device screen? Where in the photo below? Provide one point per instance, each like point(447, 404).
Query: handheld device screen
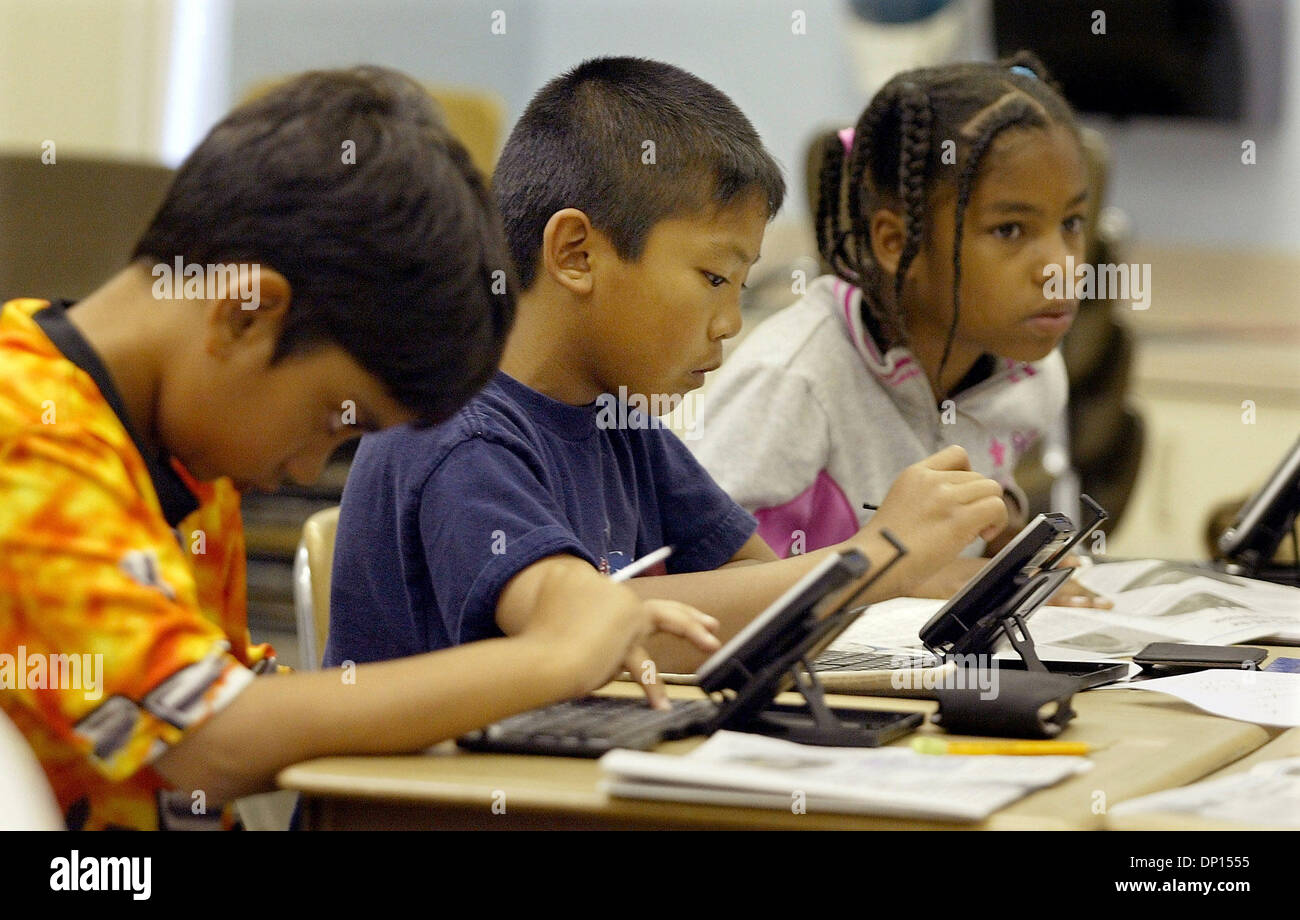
point(770, 635)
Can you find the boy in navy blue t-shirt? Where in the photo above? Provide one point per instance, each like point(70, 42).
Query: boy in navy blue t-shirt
point(635, 197)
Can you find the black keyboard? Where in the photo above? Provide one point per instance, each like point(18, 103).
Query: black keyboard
point(846, 660)
point(591, 726)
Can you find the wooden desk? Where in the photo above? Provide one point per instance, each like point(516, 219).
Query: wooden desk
point(1147, 742)
point(1285, 745)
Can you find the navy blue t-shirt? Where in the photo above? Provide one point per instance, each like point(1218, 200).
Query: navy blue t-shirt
point(436, 521)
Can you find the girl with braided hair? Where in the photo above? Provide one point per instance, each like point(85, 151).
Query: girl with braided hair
point(939, 213)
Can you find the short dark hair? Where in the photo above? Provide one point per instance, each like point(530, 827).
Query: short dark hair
point(395, 253)
point(896, 159)
point(585, 142)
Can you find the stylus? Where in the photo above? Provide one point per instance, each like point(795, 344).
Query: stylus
point(633, 569)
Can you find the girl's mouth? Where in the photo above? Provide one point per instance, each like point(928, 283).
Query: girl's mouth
point(1051, 322)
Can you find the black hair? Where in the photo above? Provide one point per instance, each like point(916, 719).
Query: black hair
point(349, 185)
point(897, 157)
point(584, 142)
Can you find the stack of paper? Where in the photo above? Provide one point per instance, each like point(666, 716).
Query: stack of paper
point(732, 768)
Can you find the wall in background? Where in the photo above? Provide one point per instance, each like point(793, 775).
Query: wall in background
point(1184, 182)
point(1180, 182)
point(96, 74)
point(86, 74)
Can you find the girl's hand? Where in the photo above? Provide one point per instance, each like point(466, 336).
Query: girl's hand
point(936, 508)
point(1073, 594)
point(953, 577)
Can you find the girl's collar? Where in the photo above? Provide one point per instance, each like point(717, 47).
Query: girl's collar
point(898, 365)
point(893, 367)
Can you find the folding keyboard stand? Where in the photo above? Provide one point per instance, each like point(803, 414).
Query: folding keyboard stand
point(753, 708)
point(1009, 620)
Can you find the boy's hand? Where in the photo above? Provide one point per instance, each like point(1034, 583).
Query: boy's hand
point(595, 628)
point(675, 619)
point(937, 507)
point(1073, 594)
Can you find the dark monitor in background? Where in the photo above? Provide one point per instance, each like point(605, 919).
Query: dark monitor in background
point(1217, 60)
point(1253, 538)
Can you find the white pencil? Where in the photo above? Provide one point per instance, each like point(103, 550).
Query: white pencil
point(636, 568)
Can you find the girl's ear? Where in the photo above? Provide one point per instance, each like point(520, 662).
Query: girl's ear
point(887, 238)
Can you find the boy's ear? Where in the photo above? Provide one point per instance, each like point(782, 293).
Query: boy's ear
point(887, 238)
point(253, 309)
point(566, 250)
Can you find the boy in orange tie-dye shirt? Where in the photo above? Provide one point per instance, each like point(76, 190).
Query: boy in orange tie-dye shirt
point(130, 422)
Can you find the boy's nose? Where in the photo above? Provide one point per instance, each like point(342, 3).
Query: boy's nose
point(727, 323)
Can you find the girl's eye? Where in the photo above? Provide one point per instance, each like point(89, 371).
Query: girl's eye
point(714, 280)
point(1074, 224)
point(1009, 231)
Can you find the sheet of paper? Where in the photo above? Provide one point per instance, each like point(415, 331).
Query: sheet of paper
point(890, 624)
point(1116, 579)
point(1263, 697)
point(1089, 634)
point(1267, 795)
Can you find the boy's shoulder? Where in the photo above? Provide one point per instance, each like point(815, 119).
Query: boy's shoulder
point(45, 390)
point(28, 362)
point(505, 415)
point(423, 448)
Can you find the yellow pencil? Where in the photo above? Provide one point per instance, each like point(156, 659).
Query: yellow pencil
point(927, 745)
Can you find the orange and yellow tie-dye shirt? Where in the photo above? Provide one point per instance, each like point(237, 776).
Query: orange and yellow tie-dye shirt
point(118, 633)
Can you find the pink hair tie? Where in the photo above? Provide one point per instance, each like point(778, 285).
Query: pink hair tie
point(846, 138)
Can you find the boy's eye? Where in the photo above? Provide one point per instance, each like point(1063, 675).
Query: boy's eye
point(714, 280)
point(1074, 224)
point(1009, 231)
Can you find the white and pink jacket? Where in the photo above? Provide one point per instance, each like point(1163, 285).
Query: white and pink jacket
point(807, 420)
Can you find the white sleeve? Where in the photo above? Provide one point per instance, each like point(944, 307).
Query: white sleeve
point(761, 434)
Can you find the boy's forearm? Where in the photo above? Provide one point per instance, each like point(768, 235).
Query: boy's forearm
point(517, 603)
point(391, 707)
